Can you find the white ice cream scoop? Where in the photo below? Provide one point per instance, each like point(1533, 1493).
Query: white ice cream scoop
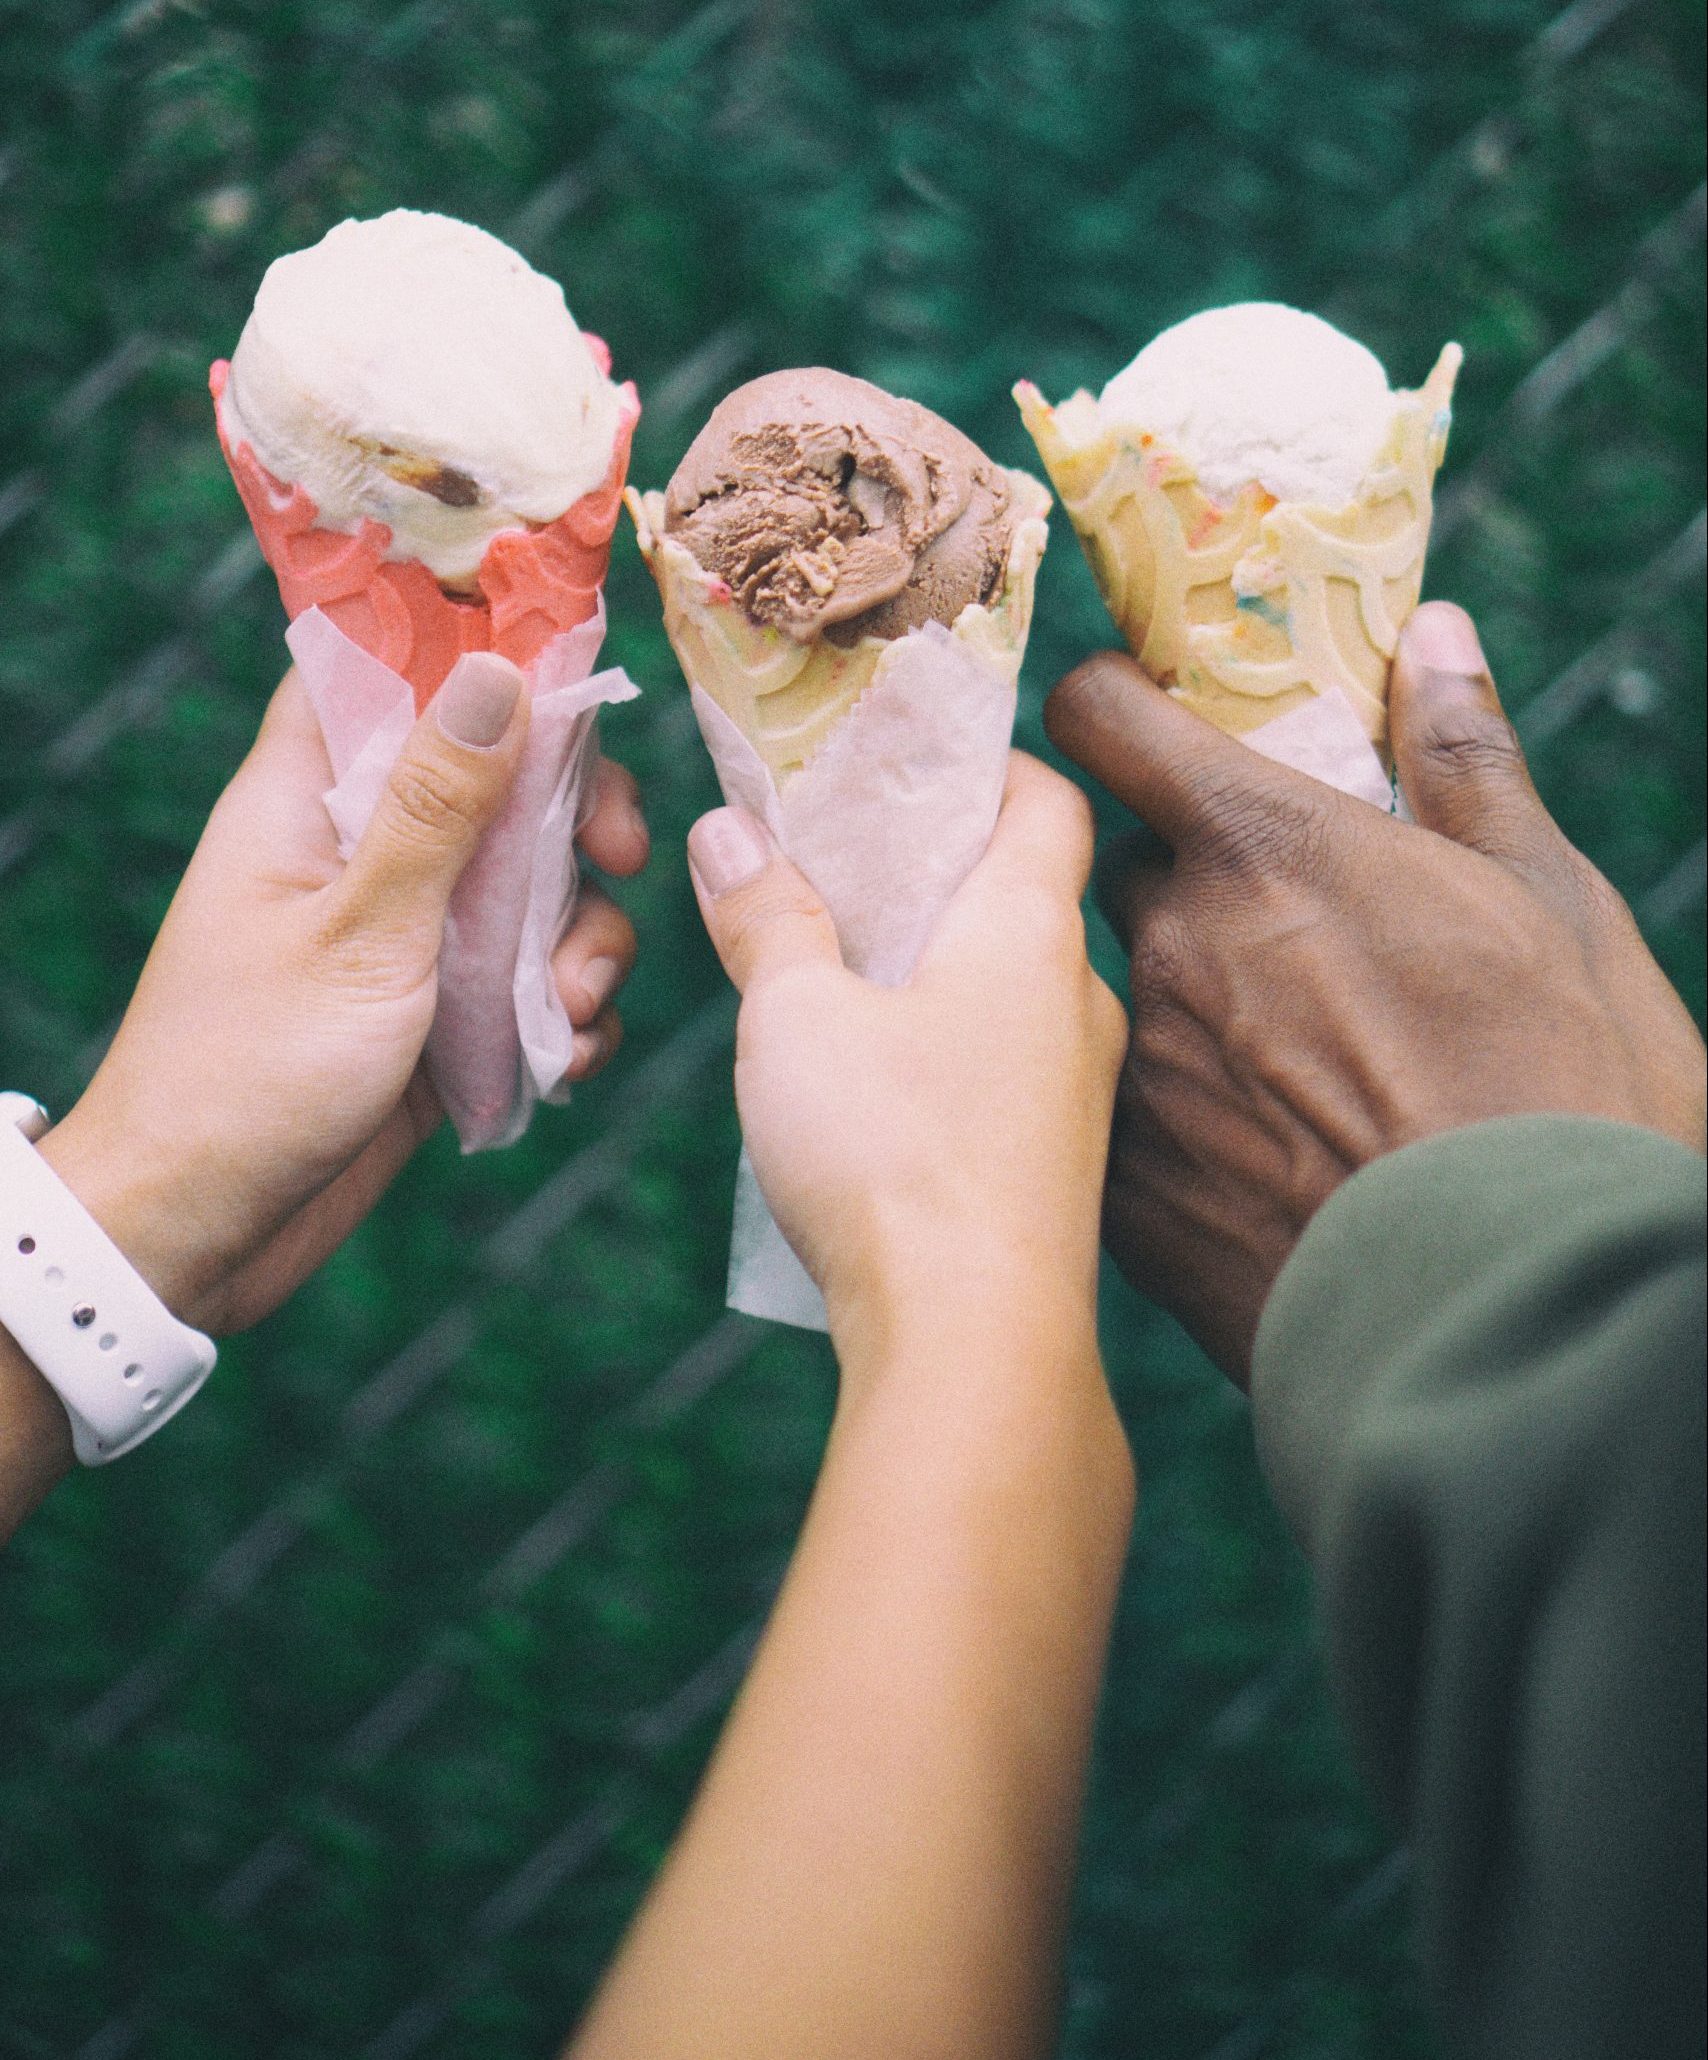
point(1260, 392)
point(416, 370)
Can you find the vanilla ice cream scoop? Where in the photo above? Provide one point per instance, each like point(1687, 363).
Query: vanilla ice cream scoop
point(1260, 393)
point(415, 370)
point(1255, 502)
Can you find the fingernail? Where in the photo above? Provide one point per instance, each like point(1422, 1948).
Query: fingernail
point(1444, 639)
point(599, 981)
point(584, 1049)
point(726, 849)
point(478, 699)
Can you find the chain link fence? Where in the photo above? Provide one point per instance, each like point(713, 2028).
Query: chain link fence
point(353, 1715)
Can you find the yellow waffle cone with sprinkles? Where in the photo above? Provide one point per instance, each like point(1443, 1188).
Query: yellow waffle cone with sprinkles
point(1255, 504)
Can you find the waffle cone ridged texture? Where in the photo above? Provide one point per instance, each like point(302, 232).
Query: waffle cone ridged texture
point(1248, 611)
point(787, 697)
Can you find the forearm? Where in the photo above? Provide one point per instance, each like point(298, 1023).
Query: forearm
point(879, 1859)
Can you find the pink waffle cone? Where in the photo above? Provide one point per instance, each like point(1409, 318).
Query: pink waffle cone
point(373, 639)
point(534, 584)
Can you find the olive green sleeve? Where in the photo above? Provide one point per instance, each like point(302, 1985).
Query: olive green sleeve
point(1478, 1388)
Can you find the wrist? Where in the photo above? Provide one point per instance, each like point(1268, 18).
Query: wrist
point(912, 1299)
point(1008, 1400)
point(987, 1350)
point(139, 1202)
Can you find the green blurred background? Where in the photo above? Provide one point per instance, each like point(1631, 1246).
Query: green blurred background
point(353, 1715)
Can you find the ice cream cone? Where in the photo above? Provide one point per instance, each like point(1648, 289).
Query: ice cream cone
point(786, 696)
point(1249, 610)
point(534, 584)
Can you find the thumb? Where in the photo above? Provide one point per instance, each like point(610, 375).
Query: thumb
point(762, 913)
point(447, 786)
point(1460, 763)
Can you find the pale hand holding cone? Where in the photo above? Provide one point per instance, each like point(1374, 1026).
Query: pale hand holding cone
point(878, 768)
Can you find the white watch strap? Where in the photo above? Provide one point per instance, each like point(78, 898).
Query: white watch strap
point(117, 1357)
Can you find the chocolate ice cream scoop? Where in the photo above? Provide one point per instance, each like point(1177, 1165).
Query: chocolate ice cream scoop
point(830, 506)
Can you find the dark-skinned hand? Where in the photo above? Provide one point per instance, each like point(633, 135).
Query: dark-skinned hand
point(1314, 983)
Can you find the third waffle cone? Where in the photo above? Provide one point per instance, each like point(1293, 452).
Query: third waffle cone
point(1250, 610)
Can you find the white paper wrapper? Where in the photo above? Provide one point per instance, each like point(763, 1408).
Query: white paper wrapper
point(886, 822)
point(500, 1041)
point(1326, 739)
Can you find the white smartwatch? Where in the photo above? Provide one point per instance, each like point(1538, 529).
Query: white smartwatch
point(100, 1337)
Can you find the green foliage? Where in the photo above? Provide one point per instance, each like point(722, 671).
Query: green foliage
point(381, 1734)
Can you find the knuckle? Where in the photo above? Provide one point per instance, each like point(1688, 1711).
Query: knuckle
point(779, 891)
point(600, 928)
point(1225, 804)
point(1160, 958)
point(1254, 833)
point(335, 927)
point(1273, 839)
point(1154, 1051)
point(1316, 844)
point(1138, 1125)
point(1518, 942)
point(344, 953)
point(1604, 906)
point(340, 933)
point(1472, 742)
point(428, 801)
point(622, 944)
point(1132, 1102)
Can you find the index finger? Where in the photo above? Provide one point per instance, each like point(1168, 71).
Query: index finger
point(613, 832)
point(1173, 769)
point(273, 812)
